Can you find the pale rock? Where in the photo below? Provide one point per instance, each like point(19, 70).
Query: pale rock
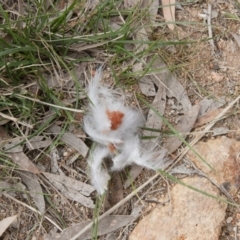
point(192, 215)
point(189, 215)
point(222, 154)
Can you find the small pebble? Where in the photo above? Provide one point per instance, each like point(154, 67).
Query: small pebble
point(229, 219)
point(69, 150)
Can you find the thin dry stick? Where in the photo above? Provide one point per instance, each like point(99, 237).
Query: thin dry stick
point(15, 120)
point(33, 209)
point(111, 210)
point(209, 15)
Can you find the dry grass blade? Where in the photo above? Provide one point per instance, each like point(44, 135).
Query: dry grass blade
point(39, 142)
point(5, 223)
point(50, 104)
point(5, 186)
point(153, 7)
point(208, 117)
point(11, 145)
point(21, 10)
point(23, 162)
point(169, 12)
point(7, 117)
point(35, 190)
point(133, 174)
point(147, 86)
point(159, 103)
point(175, 89)
point(210, 33)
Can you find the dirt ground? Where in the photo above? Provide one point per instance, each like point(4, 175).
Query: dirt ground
point(203, 70)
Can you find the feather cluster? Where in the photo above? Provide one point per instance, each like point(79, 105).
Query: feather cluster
point(114, 127)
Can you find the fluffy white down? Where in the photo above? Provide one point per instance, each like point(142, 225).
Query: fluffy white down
point(132, 151)
point(128, 154)
point(124, 139)
point(96, 122)
point(153, 158)
point(92, 130)
point(99, 175)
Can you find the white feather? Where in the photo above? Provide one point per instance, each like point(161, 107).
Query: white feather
point(93, 131)
point(97, 123)
point(153, 158)
point(133, 152)
point(94, 86)
point(124, 138)
point(128, 153)
point(99, 175)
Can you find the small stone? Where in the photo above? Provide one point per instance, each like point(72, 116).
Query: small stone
point(70, 150)
point(238, 223)
point(229, 219)
point(230, 227)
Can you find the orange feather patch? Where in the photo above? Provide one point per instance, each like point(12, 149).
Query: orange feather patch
point(116, 118)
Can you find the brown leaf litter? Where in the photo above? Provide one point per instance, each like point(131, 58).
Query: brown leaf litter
point(72, 189)
point(5, 223)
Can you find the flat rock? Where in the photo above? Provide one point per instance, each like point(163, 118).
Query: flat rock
point(222, 154)
point(189, 215)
